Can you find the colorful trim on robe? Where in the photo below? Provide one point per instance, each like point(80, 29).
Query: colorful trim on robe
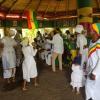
point(93, 49)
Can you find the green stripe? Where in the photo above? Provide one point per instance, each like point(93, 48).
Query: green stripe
point(98, 25)
point(84, 3)
point(94, 46)
point(98, 44)
point(35, 20)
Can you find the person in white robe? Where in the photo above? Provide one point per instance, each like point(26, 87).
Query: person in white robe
point(8, 56)
point(29, 65)
point(81, 39)
point(58, 49)
point(92, 87)
point(84, 62)
point(77, 74)
point(48, 53)
point(1, 47)
point(84, 57)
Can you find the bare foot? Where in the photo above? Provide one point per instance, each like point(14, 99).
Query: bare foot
point(54, 71)
point(73, 90)
point(8, 81)
point(13, 80)
point(36, 84)
point(77, 93)
point(61, 69)
point(24, 89)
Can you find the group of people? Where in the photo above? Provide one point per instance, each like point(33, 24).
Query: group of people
point(53, 48)
point(85, 65)
point(10, 47)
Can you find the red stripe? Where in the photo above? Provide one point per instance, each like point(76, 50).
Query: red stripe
point(98, 47)
point(29, 19)
point(91, 52)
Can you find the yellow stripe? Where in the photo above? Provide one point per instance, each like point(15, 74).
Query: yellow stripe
point(95, 28)
point(98, 45)
point(92, 49)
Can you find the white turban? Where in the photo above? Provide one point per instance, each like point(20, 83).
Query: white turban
point(79, 29)
point(25, 41)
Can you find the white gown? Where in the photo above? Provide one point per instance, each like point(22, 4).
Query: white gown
point(81, 41)
point(84, 57)
point(48, 53)
point(76, 76)
point(92, 87)
point(8, 56)
point(29, 64)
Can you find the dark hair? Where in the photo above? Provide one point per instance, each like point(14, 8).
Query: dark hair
point(67, 32)
point(19, 31)
point(54, 32)
point(58, 30)
point(77, 60)
point(35, 39)
point(38, 32)
point(72, 36)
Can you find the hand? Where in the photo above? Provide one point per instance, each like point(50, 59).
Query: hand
point(1, 45)
point(92, 76)
point(86, 76)
point(80, 54)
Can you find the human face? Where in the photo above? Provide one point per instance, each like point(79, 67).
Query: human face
point(93, 35)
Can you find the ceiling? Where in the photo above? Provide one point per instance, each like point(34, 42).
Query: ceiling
point(44, 7)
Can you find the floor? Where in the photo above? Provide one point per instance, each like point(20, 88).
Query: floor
point(52, 86)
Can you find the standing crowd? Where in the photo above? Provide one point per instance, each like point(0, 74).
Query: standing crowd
point(72, 50)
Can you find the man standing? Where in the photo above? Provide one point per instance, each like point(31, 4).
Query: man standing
point(93, 69)
point(58, 48)
point(81, 39)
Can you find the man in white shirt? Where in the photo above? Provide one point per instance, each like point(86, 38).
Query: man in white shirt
point(81, 39)
point(58, 49)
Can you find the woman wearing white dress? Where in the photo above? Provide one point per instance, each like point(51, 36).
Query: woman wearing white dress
point(8, 56)
point(29, 64)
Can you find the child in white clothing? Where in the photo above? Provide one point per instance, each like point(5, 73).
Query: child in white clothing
point(29, 64)
point(77, 74)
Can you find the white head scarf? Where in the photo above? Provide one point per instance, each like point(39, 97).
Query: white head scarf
point(25, 41)
point(79, 29)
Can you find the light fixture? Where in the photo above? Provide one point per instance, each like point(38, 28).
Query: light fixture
point(12, 16)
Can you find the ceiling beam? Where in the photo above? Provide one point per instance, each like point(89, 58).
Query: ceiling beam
point(57, 6)
point(26, 7)
point(12, 5)
point(36, 9)
point(98, 3)
point(2, 2)
point(28, 4)
point(67, 7)
point(48, 6)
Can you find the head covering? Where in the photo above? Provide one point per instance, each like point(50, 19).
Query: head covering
point(12, 32)
point(79, 29)
point(25, 41)
point(96, 28)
